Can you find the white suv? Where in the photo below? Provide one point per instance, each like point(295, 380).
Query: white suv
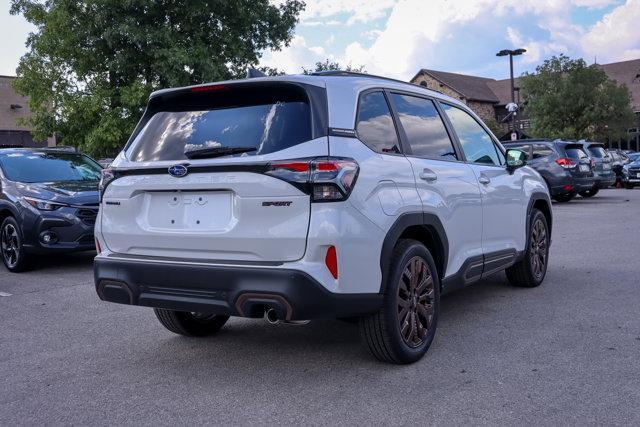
point(335, 195)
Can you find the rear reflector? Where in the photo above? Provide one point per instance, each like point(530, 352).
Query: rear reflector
point(567, 187)
point(98, 248)
point(331, 260)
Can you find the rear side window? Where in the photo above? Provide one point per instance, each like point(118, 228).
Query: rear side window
point(268, 122)
point(575, 153)
point(541, 150)
point(597, 151)
point(374, 124)
point(424, 128)
point(476, 143)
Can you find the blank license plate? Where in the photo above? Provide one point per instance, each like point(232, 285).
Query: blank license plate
point(584, 168)
point(606, 166)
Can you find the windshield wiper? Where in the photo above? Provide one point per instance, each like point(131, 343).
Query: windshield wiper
point(206, 153)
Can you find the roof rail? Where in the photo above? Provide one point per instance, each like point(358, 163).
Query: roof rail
point(342, 73)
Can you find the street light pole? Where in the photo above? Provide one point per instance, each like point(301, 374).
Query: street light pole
point(511, 54)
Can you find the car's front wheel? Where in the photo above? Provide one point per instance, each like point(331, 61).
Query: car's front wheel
point(531, 270)
point(590, 192)
point(404, 327)
point(190, 324)
point(14, 255)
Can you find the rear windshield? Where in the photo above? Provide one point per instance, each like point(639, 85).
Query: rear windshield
point(267, 123)
point(597, 151)
point(49, 167)
point(575, 152)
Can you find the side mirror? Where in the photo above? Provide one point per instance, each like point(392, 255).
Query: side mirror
point(515, 159)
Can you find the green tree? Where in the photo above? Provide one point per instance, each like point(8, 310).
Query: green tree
point(567, 99)
point(328, 65)
point(91, 64)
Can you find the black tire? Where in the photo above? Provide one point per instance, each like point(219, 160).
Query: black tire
point(590, 192)
point(563, 198)
point(190, 324)
point(531, 270)
point(383, 332)
point(12, 251)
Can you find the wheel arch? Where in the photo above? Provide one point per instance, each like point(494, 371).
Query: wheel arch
point(423, 227)
point(6, 211)
point(541, 202)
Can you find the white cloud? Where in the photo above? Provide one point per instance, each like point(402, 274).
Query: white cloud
point(593, 4)
point(293, 58)
point(357, 10)
point(615, 37)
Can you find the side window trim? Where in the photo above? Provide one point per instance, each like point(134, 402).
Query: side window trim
point(403, 136)
point(393, 119)
point(497, 146)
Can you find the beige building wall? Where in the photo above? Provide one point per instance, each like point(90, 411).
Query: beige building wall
point(483, 109)
point(9, 115)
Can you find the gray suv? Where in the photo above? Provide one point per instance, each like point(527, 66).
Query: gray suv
point(48, 203)
point(565, 166)
point(604, 176)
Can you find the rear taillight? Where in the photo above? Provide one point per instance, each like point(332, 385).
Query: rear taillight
point(565, 162)
point(106, 177)
point(593, 163)
point(328, 179)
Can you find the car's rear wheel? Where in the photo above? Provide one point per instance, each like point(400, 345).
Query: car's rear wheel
point(14, 255)
point(531, 270)
point(563, 198)
point(404, 327)
point(190, 324)
point(590, 192)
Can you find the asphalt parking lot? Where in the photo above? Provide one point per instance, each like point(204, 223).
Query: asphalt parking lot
point(567, 352)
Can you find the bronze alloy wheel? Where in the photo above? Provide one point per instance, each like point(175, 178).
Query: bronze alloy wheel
point(538, 249)
point(415, 301)
point(10, 245)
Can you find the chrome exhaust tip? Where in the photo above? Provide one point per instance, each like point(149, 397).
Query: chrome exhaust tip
point(272, 316)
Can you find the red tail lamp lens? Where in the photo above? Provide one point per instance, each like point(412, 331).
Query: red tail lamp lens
point(98, 248)
point(565, 162)
point(567, 187)
point(331, 260)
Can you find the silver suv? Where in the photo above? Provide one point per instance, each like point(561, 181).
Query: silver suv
point(334, 195)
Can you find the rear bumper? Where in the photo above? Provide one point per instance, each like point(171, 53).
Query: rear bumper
point(605, 181)
point(245, 291)
point(577, 185)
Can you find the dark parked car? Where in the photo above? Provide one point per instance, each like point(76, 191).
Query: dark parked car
point(565, 167)
point(603, 169)
point(48, 203)
point(631, 174)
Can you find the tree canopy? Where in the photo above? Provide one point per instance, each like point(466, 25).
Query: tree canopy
point(329, 65)
point(567, 99)
point(91, 64)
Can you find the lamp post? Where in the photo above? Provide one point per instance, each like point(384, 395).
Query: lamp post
point(511, 54)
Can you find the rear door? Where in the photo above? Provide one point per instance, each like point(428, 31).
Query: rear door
point(447, 186)
point(504, 202)
point(227, 208)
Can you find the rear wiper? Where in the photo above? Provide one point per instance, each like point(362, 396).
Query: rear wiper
point(206, 153)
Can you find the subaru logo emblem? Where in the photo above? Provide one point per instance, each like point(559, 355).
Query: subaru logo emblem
point(178, 171)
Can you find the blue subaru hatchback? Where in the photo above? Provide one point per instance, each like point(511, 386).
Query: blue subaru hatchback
point(48, 203)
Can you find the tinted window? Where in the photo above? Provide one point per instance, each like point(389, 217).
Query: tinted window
point(476, 143)
point(269, 125)
point(424, 127)
point(540, 150)
point(374, 124)
point(36, 166)
point(575, 152)
point(597, 151)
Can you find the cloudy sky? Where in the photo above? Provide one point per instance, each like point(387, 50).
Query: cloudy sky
point(396, 38)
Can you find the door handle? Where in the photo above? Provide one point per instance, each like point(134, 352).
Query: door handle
point(484, 180)
point(428, 175)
